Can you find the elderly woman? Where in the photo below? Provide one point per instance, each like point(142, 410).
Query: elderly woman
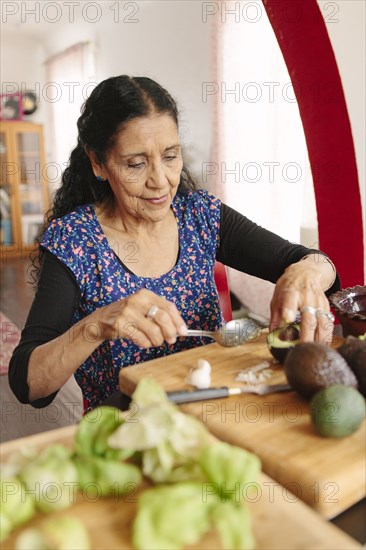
point(128, 253)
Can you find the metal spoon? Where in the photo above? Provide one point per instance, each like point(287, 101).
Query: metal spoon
point(231, 334)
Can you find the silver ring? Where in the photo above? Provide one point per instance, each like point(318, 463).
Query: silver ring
point(309, 309)
point(152, 312)
point(326, 314)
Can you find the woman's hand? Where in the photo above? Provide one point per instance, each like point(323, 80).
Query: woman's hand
point(135, 318)
point(301, 289)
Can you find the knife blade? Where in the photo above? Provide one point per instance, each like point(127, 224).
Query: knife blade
point(189, 396)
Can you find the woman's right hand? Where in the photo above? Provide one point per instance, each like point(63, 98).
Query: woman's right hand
point(128, 319)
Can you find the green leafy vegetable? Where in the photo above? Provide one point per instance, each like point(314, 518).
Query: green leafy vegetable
point(17, 505)
point(17, 461)
point(232, 521)
point(207, 479)
point(52, 477)
point(102, 477)
point(94, 430)
point(148, 392)
point(170, 517)
point(6, 525)
point(229, 468)
point(170, 441)
point(162, 464)
point(100, 469)
point(176, 448)
point(65, 533)
point(155, 424)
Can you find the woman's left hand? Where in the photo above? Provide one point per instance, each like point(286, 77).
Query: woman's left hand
point(300, 289)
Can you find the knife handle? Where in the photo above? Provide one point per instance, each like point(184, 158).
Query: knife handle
point(186, 396)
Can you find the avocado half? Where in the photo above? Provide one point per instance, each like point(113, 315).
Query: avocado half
point(353, 352)
point(282, 339)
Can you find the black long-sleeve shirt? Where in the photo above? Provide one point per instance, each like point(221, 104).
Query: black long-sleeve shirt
point(243, 245)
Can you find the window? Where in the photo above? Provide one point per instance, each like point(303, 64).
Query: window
point(70, 79)
point(263, 167)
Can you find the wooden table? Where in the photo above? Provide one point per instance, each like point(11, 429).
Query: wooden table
point(278, 521)
point(327, 474)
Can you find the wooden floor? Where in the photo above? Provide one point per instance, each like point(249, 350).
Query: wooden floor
point(18, 420)
point(16, 295)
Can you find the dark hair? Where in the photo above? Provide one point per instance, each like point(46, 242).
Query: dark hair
point(111, 104)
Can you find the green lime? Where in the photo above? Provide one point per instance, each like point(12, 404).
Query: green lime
point(337, 411)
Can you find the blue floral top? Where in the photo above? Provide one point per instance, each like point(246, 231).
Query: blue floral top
point(78, 241)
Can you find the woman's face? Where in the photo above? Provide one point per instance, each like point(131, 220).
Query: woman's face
point(144, 167)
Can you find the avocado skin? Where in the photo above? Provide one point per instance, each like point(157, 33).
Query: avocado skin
point(353, 352)
point(337, 411)
point(280, 353)
point(311, 366)
point(273, 338)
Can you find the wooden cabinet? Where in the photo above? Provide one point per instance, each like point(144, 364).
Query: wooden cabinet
point(24, 196)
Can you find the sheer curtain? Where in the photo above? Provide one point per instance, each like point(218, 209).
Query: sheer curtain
point(262, 165)
point(70, 79)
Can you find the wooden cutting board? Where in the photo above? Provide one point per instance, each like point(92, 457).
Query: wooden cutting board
point(277, 521)
point(328, 474)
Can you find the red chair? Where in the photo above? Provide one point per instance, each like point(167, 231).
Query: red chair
point(222, 286)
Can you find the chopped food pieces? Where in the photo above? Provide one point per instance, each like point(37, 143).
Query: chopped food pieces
point(256, 374)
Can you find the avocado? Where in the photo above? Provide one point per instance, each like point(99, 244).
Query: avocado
point(337, 411)
point(311, 366)
point(282, 339)
point(354, 353)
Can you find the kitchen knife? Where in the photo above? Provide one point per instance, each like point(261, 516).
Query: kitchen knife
point(189, 396)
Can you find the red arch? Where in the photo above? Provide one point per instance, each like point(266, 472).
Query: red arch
point(302, 36)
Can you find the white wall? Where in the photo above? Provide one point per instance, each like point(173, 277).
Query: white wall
point(22, 62)
point(167, 42)
point(171, 45)
point(347, 35)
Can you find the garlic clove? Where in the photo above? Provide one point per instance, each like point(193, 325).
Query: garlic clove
point(199, 378)
point(204, 365)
